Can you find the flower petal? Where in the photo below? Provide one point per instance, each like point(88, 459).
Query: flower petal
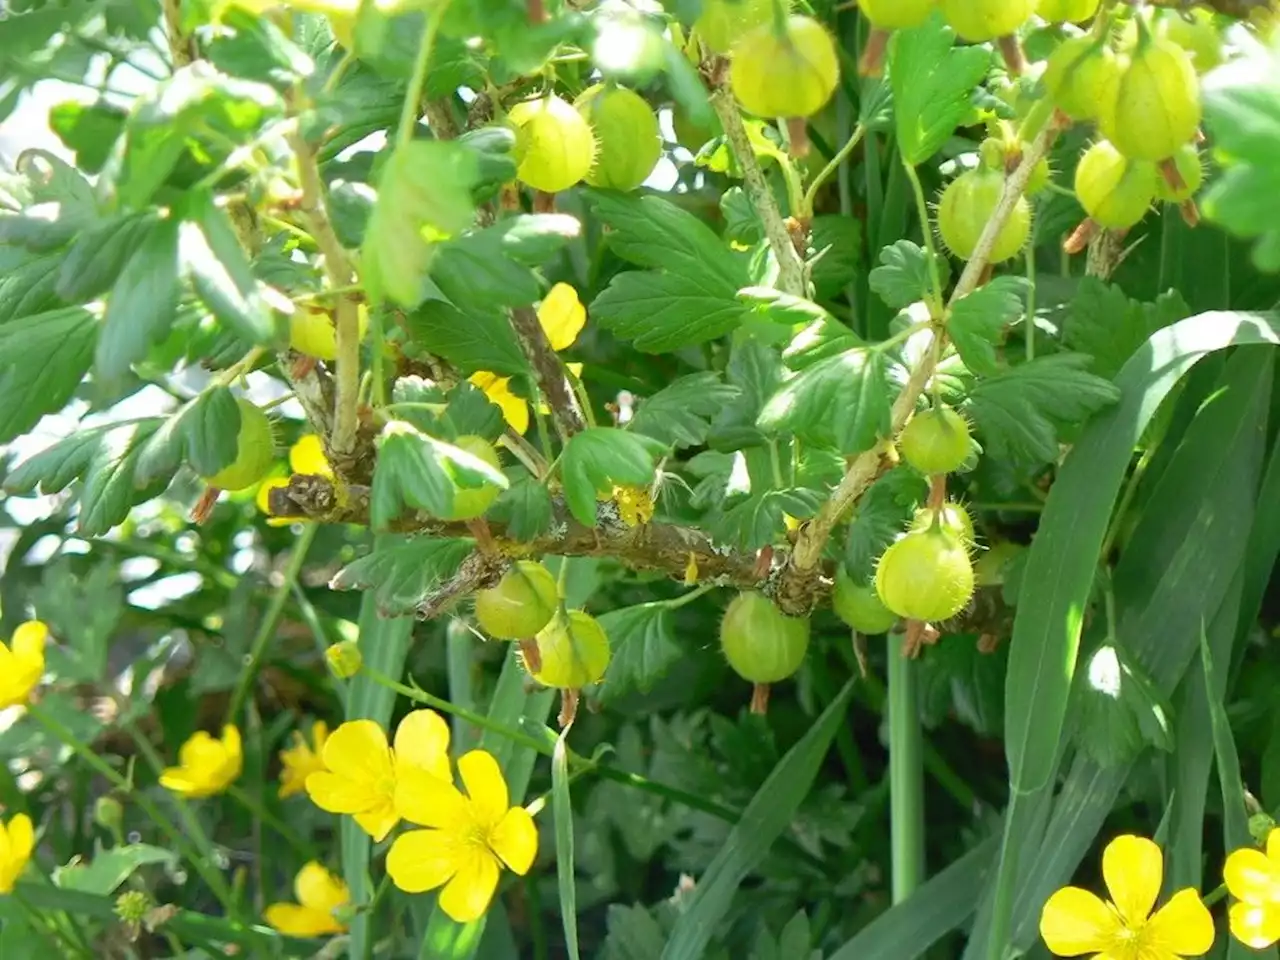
point(1182, 927)
point(1255, 926)
point(379, 821)
point(467, 895)
point(429, 801)
point(336, 794)
point(358, 750)
point(515, 840)
point(181, 781)
point(485, 786)
point(201, 752)
point(1075, 921)
point(234, 759)
point(562, 316)
point(422, 860)
point(22, 837)
point(422, 739)
point(1133, 869)
point(319, 889)
point(28, 641)
point(294, 920)
point(1251, 876)
point(319, 734)
point(307, 456)
point(498, 389)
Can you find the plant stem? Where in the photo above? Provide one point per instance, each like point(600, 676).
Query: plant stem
point(906, 774)
point(1213, 896)
point(926, 236)
point(258, 809)
point(409, 111)
point(806, 204)
point(271, 619)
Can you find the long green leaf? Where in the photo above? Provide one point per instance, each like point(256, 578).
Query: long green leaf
point(562, 805)
point(766, 816)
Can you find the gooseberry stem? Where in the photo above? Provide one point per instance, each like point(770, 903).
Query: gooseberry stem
point(806, 203)
point(409, 111)
point(936, 302)
point(1214, 895)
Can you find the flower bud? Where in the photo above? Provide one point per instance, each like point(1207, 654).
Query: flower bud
point(1260, 826)
point(109, 814)
point(344, 659)
point(132, 906)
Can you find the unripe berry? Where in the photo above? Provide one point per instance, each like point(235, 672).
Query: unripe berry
point(554, 144)
point(628, 144)
point(761, 643)
point(968, 203)
point(1080, 76)
point(953, 519)
point(1187, 162)
point(792, 74)
point(925, 576)
point(723, 22)
point(522, 603)
point(860, 606)
point(1156, 105)
point(471, 502)
point(574, 651)
point(897, 14)
point(1067, 11)
point(935, 441)
point(1116, 192)
point(980, 20)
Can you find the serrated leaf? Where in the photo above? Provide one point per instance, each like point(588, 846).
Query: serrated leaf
point(473, 269)
point(402, 571)
point(977, 322)
point(820, 340)
point(424, 195)
point(679, 415)
point(1108, 326)
point(837, 254)
point(202, 433)
point(759, 519)
point(932, 81)
point(56, 467)
point(143, 302)
point(470, 413)
point(644, 647)
point(844, 399)
point(688, 295)
point(99, 254)
point(525, 507)
point(29, 287)
point(111, 487)
point(416, 471)
point(903, 276)
point(1020, 412)
point(633, 934)
point(781, 307)
point(756, 370)
point(599, 458)
point(477, 339)
point(1119, 712)
point(213, 258)
point(884, 511)
point(43, 358)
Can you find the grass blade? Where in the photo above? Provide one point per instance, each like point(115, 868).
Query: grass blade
point(562, 805)
point(766, 816)
point(906, 773)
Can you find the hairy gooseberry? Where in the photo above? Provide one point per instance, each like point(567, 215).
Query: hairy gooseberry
point(1190, 172)
point(521, 604)
point(897, 14)
point(761, 643)
point(312, 332)
point(554, 144)
point(787, 74)
point(935, 441)
point(860, 606)
point(255, 451)
point(1114, 190)
point(980, 20)
point(952, 518)
point(628, 143)
point(1195, 32)
point(926, 575)
point(1080, 76)
point(1067, 11)
point(722, 22)
point(968, 203)
point(574, 651)
point(471, 502)
point(1155, 105)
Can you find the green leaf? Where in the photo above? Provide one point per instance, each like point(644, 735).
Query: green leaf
point(401, 572)
point(100, 253)
point(756, 370)
point(43, 358)
point(820, 340)
point(633, 934)
point(837, 258)
point(418, 472)
point(1020, 412)
point(844, 399)
point(884, 511)
point(29, 287)
point(903, 276)
point(779, 307)
point(562, 807)
point(932, 82)
point(688, 295)
point(143, 302)
point(471, 338)
point(111, 486)
point(1110, 327)
point(424, 196)
point(1119, 711)
point(679, 415)
point(759, 519)
point(202, 433)
point(1242, 113)
point(219, 270)
point(977, 322)
point(105, 873)
point(769, 813)
point(474, 270)
point(56, 467)
point(600, 458)
point(470, 412)
point(644, 647)
point(525, 507)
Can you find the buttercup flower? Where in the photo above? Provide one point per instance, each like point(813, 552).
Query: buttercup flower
point(22, 662)
point(1253, 878)
point(635, 506)
point(302, 759)
point(1075, 922)
point(470, 837)
point(319, 894)
point(17, 840)
point(307, 456)
point(205, 766)
point(362, 770)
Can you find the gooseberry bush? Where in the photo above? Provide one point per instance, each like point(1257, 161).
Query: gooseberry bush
point(770, 479)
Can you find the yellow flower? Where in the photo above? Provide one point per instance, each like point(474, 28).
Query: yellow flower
point(302, 759)
point(635, 506)
point(262, 499)
point(16, 843)
point(1075, 921)
point(362, 770)
point(1253, 877)
point(562, 316)
point(22, 663)
point(498, 389)
point(471, 836)
point(307, 456)
point(205, 766)
point(319, 894)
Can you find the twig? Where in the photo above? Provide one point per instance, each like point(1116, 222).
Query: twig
point(790, 266)
point(180, 48)
point(478, 571)
point(549, 371)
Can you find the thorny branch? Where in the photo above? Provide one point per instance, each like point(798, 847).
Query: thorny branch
point(549, 371)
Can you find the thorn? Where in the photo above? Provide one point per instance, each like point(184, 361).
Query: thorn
point(1080, 237)
point(568, 707)
point(760, 699)
point(860, 653)
point(204, 506)
point(871, 63)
